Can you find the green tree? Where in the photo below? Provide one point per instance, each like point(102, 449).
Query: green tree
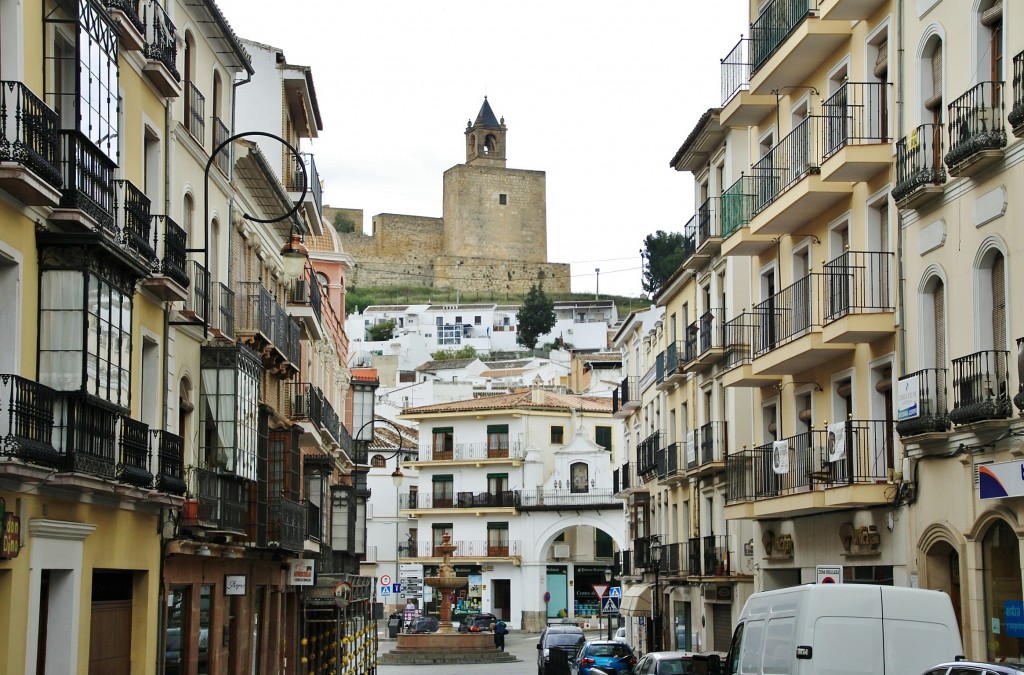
point(536, 316)
point(384, 330)
point(662, 254)
point(343, 223)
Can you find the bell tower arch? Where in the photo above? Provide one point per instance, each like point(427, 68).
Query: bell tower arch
point(485, 139)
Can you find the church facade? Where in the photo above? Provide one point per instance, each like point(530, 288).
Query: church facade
point(492, 236)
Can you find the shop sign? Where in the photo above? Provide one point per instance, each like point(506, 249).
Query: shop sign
point(1003, 479)
point(234, 584)
point(10, 537)
point(300, 572)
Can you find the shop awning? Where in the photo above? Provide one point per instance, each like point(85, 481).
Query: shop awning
point(636, 600)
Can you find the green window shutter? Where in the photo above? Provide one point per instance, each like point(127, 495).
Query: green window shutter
point(497, 428)
point(503, 476)
point(497, 526)
point(603, 437)
point(443, 478)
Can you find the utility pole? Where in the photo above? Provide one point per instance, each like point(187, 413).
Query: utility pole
point(597, 283)
point(458, 264)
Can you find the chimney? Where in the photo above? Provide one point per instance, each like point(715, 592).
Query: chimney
point(537, 395)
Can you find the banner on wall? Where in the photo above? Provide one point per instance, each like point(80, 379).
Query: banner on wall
point(780, 457)
point(836, 441)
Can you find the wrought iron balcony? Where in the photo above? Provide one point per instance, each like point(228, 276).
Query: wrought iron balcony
point(919, 168)
point(624, 477)
point(306, 293)
point(286, 524)
point(221, 133)
point(737, 206)
point(773, 25)
point(86, 435)
point(132, 219)
point(197, 304)
point(736, 68)
point(26, 420)
point(672, 463)
point(737, 340)
point(170, 470)
point(173, 258)
point(689, 244)
point(976, 130)
point(981, 387)
point(713, 443)
point(160, 37)
point(787, 162)
point(763, 473)
point(785, 316)
point(28, 137)
point(304, 402)
point(88, 179)
point(222, 503)
point(661, 461)
point(709, 229)
point(195, 112)
point(458, 452)
point(629, 394)
point(930, 412)
point(857, 113)
point(255, 312)
point(710, 330)
point(646, 452)
point(642, 551)
point(222, 312)
point(332, 425)
point(130, 8)
point(1016, 116)
point(716, 555)
point(287, 335)
point(858, 282)
point(134, 456)
point(470, 500)
point(623, 563)
point(314, 181)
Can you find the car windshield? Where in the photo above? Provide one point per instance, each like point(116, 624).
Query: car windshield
point(564, 639)
point(675, 667)
point(609, 650)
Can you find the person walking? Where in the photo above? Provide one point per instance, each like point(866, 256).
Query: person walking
point(500, 630)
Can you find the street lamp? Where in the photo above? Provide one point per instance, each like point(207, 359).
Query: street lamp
point(608, 580)
point(656, 550)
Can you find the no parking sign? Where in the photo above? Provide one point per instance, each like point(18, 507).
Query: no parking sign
point(829, 574)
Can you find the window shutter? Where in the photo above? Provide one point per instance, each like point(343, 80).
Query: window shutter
point(936, 98)
point(883, 226)
point(881, 67)
point(939, 300)
point(999, 303)
point(993, 14)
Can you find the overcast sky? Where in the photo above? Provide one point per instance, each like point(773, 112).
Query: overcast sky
point(598, 94)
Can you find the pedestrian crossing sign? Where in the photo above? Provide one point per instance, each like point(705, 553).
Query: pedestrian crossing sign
point(610, 605)
point(615, 592)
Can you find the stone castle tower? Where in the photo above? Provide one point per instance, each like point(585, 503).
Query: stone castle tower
point(492, 235)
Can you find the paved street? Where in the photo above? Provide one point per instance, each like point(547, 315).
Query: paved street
point(523, 645)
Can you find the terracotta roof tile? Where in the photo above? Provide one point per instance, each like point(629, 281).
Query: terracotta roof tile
point(519, 399)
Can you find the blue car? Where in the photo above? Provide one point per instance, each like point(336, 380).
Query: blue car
point(607, 654)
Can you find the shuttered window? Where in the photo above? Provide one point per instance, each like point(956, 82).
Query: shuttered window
point(939, 303)
point(999, 303)
point(934, 102)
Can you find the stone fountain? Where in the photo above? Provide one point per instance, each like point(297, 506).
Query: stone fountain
point(446, 582)
point(446, 645)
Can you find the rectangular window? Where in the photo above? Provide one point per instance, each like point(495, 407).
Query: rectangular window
point(228, 411)
point(449, 335)
point(503, 199)
point(477, 320)
point(497, 440)
point(497, 539)
point(557, 435)
point(443, 442)
point(444, 491)
point(458, 320)
point(438, 532)
point(497, 483)
point(603, 437)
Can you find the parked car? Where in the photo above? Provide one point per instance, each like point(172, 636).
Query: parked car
point(620, 634)
point(976, 668)
point(424, 624)
point(608, 655)
point(477, 623)
point(660, 663)
point(558, 641)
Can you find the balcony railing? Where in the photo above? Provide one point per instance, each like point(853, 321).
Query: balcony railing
point(689, 244)
point(716, 555)
point(222, 313)
point(713, 442)
point(786, 315)
point(85, 435)
point(673, 362)
point(708, 225)
point(223, 502)
point(254, 312)
point(160, 37)
point(286, 524)
point(710, 330)
point(981, 387)
point(642, 551)
point(132, 219)
point(133, 456)
point(976, 123)
point(314, 181)
point(646, 452)
point(789, 160)
point(195, 112)
point(623, 477)
point(857, 113)
point(857, 282)
point(512, 449)
point(1016, 116)
point(88, 178)
point(26, 420)
point(737, 206)
point(287, 335)
point(170, 462)
point(737, 340)
point(173, 259)
point(736, 70)
point(198, 301)
point(470, 500)
point(130, 8)
point(773, 25)
point(28, 132)
point(629, 393)
point(221, 133)
point(472, 549)
point(929, 411)
point(919, 161)
point(306, 291)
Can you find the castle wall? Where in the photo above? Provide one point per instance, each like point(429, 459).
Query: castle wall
point(478, 225)
point(400, 252)
point(499, 275)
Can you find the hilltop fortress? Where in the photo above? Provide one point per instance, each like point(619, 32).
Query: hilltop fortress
point(492, 235)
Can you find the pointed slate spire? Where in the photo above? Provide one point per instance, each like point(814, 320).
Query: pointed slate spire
point(486, 118)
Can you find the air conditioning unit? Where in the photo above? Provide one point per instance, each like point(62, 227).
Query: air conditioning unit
point(300, 292)
point(561, 551)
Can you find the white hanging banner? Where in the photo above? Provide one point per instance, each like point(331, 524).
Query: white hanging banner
point(836, 441)
point(780, 456)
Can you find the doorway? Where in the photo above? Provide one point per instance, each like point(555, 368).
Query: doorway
point(110, 634)
point(501, 598)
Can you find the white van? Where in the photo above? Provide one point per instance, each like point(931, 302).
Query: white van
point(844, 629)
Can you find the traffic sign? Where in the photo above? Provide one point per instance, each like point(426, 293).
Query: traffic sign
point(385, 580)
point(600, 590)
point(615, 592)
point(829, 574)
point(396, 588)
point(610, 606)
point(385, 591)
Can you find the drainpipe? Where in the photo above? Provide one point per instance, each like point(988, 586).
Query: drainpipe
point(901, 341)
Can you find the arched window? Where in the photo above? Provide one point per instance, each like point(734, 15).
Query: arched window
point(931, 79)
point(377, 462)
point(188, 212)
point(933, 324)
point(185, 407)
